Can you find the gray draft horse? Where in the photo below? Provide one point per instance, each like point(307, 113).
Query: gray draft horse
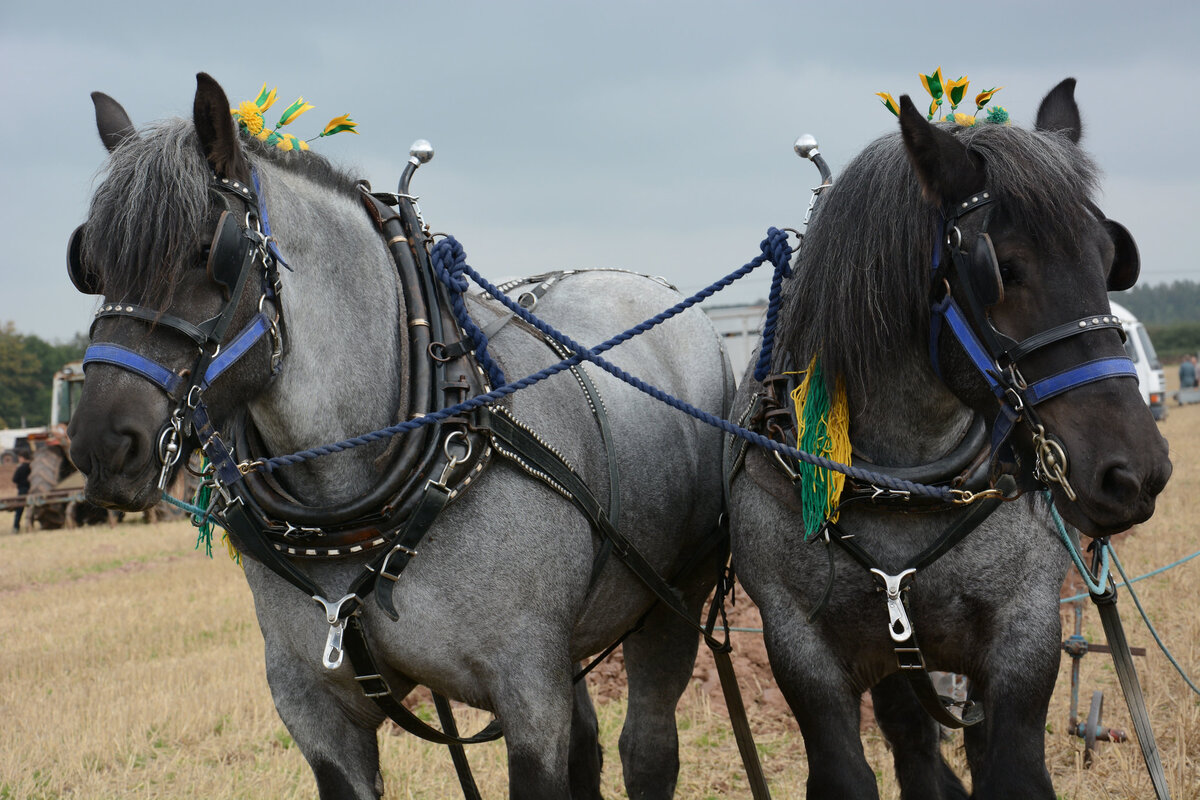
point(498, 608)
point(860, 299)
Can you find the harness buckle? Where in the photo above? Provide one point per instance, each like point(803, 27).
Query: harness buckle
point(399, 548)
point(909, 658)
point(332, 657)
point(377, 687)
point(898, 625)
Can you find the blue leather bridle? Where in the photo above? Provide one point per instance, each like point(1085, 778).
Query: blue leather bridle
point(242, 241)
point(997, 356)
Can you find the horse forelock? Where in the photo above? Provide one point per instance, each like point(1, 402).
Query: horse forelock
point(152, 211)
point(859, 296)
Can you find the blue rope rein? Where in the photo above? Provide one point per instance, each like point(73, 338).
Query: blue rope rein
point(780, 255)
point(770, 249)
point(449, 260)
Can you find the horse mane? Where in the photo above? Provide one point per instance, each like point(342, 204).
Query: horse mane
point(861, 284)
point(152, 213)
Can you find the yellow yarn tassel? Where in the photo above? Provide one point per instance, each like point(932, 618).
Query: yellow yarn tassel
point(822, 429)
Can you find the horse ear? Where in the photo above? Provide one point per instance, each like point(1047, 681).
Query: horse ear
point(1059, 112)
point(215, 126)
point(112, 121)
point(947, 171)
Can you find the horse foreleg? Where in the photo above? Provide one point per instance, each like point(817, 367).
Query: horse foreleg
point(534, 704)
point(337, 740)
point(586, 757)
point(826, 706)
point(1006, 751)
point(916, 743)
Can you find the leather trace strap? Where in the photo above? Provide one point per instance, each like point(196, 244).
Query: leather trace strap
point(1131, 687)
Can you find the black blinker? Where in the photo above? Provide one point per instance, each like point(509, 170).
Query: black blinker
point(84, 279)
point(226, 254)
point(1127, 265)
point(984, 273)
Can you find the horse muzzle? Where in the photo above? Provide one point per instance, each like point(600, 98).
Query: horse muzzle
point(1115, 472)
point(117, 451)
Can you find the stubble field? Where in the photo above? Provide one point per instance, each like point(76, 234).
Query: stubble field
point(131, 667)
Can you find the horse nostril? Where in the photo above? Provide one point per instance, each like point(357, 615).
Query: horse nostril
point(130, 447)
point(1121, 485)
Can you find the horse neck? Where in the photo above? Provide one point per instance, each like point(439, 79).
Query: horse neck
point(343, 318)
point(906, 415)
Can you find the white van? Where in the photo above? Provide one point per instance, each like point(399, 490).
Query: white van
point(1145, 360)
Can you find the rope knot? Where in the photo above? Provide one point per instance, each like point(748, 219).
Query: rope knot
point(450, 261)
point(775, 247)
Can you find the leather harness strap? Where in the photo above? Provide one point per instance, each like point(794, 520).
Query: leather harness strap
point(1131, 687)
point(908, 652)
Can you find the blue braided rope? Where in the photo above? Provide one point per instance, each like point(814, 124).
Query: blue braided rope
point(776, 248)
point(582, 353)
point(501, 391)
point(449, 261)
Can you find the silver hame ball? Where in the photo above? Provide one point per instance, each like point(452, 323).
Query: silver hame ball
point(421, 150)
point(805, 146)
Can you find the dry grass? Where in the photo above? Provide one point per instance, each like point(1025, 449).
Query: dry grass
point(132, 668)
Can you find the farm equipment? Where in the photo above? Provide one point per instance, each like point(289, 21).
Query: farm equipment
point(1092, 729)
point(55, 494)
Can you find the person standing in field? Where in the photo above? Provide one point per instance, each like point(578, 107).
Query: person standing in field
point(1187, 372)
point(21, 479)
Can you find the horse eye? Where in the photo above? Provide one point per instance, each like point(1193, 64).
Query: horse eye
point(1009, 273)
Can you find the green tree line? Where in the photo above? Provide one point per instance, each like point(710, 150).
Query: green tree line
point(1171, 314)
point(1163, 303)
point(27, 367)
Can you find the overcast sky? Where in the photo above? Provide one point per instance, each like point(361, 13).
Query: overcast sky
point(651, 136)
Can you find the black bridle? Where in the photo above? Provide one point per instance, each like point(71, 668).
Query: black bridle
point(996, 356)
point(242, 247)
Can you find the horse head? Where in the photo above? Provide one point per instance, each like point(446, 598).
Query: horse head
point(186, 310)
point(1022, 329)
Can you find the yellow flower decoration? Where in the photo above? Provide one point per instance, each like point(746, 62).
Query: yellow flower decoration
point(933, 84)
point(889, 102)
point(265, 99)
point(940, 89)
point(956, 90)
point(293, 111)
point(339, 124)
point(982, 98)
point(250, 118)
point(249, 115)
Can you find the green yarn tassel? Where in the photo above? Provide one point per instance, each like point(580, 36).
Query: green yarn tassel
point(823, 429)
